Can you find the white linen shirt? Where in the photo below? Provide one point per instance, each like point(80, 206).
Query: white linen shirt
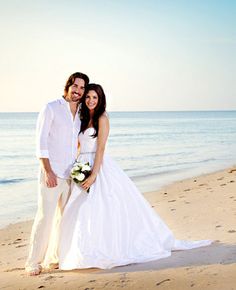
point(57, 136)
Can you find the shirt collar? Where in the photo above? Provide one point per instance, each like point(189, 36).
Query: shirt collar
point(63, 101)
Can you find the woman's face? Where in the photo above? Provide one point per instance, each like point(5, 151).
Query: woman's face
point(91, 100)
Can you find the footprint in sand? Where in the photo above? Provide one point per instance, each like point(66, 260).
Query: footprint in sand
point(221, 178)
point(188, 189)
point(172, 209)
point(17, 241)
point(223, 184)
point(49, 278)
point(20, 246)
point(173, 200)
point(202, 184)
point(163, 281)
point(14, 269)
point(231, 181)
point(218, 226)
point(187, 202)
point(231, 231)
point(22, 258)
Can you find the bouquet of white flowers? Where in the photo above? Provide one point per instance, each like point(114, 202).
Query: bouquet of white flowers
point(80, 171)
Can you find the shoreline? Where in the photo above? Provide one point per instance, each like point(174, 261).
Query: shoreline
point(181, 175)
point(146, 179)
point(202, 207)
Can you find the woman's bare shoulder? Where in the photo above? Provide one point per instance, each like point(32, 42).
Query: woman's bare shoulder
point(104, 117)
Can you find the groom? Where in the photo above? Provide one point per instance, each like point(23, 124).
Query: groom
point(57, 142)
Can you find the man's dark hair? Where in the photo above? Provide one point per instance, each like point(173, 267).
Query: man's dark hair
point(72, 78)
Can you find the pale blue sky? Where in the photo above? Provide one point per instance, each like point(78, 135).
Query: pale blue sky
point(148, 55)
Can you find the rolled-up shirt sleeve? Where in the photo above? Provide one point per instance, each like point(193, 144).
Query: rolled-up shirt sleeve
point(44, 123)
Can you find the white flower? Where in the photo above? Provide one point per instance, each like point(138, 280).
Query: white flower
point(80, 177)
point(85, 168)
point(80, 164)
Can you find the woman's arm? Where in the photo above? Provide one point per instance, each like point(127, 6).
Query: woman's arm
point(78, 150)
point(103, 133)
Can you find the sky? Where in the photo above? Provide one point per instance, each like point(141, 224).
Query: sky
point(148, 55)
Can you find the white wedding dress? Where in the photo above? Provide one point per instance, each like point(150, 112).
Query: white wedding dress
point(113, 224)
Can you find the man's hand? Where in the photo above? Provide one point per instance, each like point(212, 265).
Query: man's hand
point(50, 179)
point(49, 175)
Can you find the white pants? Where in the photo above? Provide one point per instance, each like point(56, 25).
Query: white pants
point(44, 236)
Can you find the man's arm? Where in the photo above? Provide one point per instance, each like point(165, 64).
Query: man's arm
point(50, 176)
point(42, 132)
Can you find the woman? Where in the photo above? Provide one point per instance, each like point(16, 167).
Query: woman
point(113, 224)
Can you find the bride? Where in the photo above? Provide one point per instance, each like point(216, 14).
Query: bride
point(113, 224)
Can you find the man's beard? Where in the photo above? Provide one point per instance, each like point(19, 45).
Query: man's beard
point(75, 99)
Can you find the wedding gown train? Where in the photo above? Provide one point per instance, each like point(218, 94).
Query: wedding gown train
point(113, 224)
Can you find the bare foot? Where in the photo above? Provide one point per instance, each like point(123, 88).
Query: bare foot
point(33, 271)
point(54, 266)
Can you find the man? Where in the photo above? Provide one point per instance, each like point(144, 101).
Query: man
point(57, 142)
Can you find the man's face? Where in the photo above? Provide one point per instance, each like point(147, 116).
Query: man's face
point(76, 91)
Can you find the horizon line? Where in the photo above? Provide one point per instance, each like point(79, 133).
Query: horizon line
point(136, 111)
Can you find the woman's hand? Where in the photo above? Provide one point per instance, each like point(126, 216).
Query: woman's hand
point(88, 182)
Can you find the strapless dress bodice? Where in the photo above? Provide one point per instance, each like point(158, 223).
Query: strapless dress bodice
point(88, 144)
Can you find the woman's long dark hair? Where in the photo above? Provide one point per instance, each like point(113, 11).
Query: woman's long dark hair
point(98, 111)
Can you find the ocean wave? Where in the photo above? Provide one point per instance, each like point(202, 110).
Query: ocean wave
point(18, 156)
point(158, 174)
point(149, 156)
point(11, 181)
point(165, 168)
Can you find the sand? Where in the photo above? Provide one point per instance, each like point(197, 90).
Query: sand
point(198, 208)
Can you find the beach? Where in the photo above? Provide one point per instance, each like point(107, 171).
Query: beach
point(203, 207)
point(155, 79)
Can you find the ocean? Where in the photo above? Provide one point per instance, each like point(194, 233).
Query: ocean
point(153, 148)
